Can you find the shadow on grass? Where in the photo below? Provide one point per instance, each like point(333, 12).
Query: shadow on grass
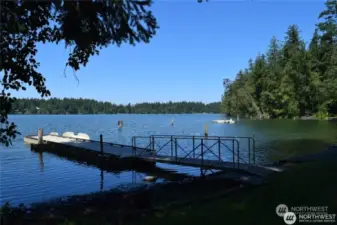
point(282, 149)
point(308, 184)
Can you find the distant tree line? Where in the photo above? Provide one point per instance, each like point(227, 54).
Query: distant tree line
point(88, 106)
point(292, 79)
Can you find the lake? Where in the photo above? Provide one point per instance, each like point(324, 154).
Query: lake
point(28, 177)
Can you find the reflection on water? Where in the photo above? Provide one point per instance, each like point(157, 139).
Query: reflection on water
point(102, 181)
point(25, 181)
point(41, 161)
point(41, 165)
point(27, 177)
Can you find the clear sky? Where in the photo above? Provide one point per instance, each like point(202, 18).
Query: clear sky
point(196, 46)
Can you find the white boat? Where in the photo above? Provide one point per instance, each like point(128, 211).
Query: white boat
point(230, 121)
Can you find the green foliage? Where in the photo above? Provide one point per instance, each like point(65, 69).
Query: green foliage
point(291, 80)
point(88, 106)
point(321, 115)
point(84, 26)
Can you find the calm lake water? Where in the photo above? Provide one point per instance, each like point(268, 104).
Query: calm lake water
point(28, 177)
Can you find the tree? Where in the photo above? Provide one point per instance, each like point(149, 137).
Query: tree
point(294, 62)
point(84, 26)
point(274, 72)
point(88, 106)
point(293, 80)
point(328, 55)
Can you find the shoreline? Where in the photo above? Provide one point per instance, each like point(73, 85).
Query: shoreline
point(307, 118)
point(120, 204)
point(125, 205)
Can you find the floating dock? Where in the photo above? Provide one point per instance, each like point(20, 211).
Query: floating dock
point(230, 121)
point(82, 141)
point(159, 148)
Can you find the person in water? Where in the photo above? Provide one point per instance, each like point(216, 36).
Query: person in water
point(120, 123)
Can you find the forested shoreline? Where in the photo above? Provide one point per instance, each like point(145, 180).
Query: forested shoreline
point(89, 106)
point(292, 79)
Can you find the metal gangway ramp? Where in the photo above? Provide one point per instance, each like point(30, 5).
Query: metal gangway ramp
point(212, 152)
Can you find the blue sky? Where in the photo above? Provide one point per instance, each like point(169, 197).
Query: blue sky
point(196, 46)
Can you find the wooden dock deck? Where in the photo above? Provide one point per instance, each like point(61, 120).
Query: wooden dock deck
point(82, 144)
point(120, 151)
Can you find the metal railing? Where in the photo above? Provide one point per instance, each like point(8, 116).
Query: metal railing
point(180, 147)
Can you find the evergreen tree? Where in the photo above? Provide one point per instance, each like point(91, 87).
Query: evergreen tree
point(88, 106)
point(328, 59)
point(292, 80)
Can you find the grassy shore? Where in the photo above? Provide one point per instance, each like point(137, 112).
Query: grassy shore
point(305, 184)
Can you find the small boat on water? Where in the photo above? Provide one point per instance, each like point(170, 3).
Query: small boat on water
point(230, 121)
point(150, 178)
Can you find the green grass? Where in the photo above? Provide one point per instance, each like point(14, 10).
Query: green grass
point(310, 184)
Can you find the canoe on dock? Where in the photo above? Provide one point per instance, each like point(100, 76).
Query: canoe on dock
point(230, 121)
point(82, 141)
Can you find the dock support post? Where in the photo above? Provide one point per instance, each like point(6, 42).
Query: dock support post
point(176, 148)
point(193, 147)
point(101, 143)
point(206, 130)
point(202, 151)
point(40, 136)
point(133, 139)
point(233, 149)
point(238, 153)
point(254, 149)
point(153, 144)
point(219, 148)
point(249, 150)
point(154, 153)
point(171, 146)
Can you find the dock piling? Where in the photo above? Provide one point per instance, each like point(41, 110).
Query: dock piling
point(233, 148)
point(101, 143)
point(238, 152)
point(202, 151)
point(206, 130)
point(193, 147)
point(219, 148)
point(176, 148)
point(171, 146)
point(153, 147)
point(249, 151)
point(152, 144)
point(254, 149)
point(40, 136)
